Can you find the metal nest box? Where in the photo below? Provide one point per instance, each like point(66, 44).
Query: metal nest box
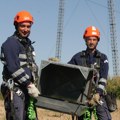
point(64, 87)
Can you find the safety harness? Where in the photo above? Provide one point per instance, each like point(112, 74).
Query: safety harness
point(96, 65)
point(31, 110)
point(31, 62)
point(85, 63)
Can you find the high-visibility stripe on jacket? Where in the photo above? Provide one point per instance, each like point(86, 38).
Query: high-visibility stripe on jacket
point(14, 58)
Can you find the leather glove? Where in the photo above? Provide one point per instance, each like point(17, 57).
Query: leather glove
point(33, 91)
point(54, 59)
point(95, 100)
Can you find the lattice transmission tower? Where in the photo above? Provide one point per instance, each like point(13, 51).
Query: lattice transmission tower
point(114, 48)
point(60, 29)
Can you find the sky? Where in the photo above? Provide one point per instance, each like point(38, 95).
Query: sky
point(78, 14)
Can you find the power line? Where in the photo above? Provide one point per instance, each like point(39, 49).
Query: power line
point(72, 13)
point(95, 16)
point(91, 1)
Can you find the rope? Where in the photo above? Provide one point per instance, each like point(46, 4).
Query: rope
point(88, 113)
point(31, 113)
point(95, 114)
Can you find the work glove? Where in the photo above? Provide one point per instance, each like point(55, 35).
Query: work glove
point(95, 100)
point(54, 59)
point(32, 90)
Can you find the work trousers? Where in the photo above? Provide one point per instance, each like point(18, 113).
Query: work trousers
point(17, 108)
point(101, 111)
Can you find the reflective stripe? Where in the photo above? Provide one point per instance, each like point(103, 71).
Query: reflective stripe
point(23, 63)
point(33, 53)
point(103, 80)
point(2, 55)
point(24, 78)
point(23, 56)
point(4, 62)
point(101, 87)
point(3, 59)
point(105, 61)
point(18, 72)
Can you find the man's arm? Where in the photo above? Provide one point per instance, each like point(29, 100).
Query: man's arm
point(104, 67)
point(11, 54)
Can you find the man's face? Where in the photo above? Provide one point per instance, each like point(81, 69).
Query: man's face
point(24, 29)
point(91, 42)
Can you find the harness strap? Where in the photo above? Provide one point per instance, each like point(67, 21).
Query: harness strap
point(96, 65)
point(83, 56)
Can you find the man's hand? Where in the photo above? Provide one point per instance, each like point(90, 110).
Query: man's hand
point(95, 100)
point(33, 91)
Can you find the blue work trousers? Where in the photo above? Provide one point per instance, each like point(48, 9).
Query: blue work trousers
point(18, 106)
point(101, 111)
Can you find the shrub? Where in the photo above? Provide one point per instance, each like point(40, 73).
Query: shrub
point(113, 85)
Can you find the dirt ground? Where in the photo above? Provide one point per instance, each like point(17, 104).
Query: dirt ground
point(51, 115)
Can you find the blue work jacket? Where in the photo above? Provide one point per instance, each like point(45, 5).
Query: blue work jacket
point(90, 59)
point(15, 60)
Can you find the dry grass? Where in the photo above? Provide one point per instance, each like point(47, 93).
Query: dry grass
point(2, 111)
point(116, 114)
point(50, 115)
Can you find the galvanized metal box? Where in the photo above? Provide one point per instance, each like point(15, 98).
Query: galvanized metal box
point(64, 87)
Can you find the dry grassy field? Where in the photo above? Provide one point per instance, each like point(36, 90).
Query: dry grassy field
point(50, 115)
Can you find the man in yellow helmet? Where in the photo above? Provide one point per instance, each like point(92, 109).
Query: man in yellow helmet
point(91, 57)
point(19, 71)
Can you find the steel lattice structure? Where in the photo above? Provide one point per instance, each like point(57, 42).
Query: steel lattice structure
point(60, 29)
point(115, 57)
